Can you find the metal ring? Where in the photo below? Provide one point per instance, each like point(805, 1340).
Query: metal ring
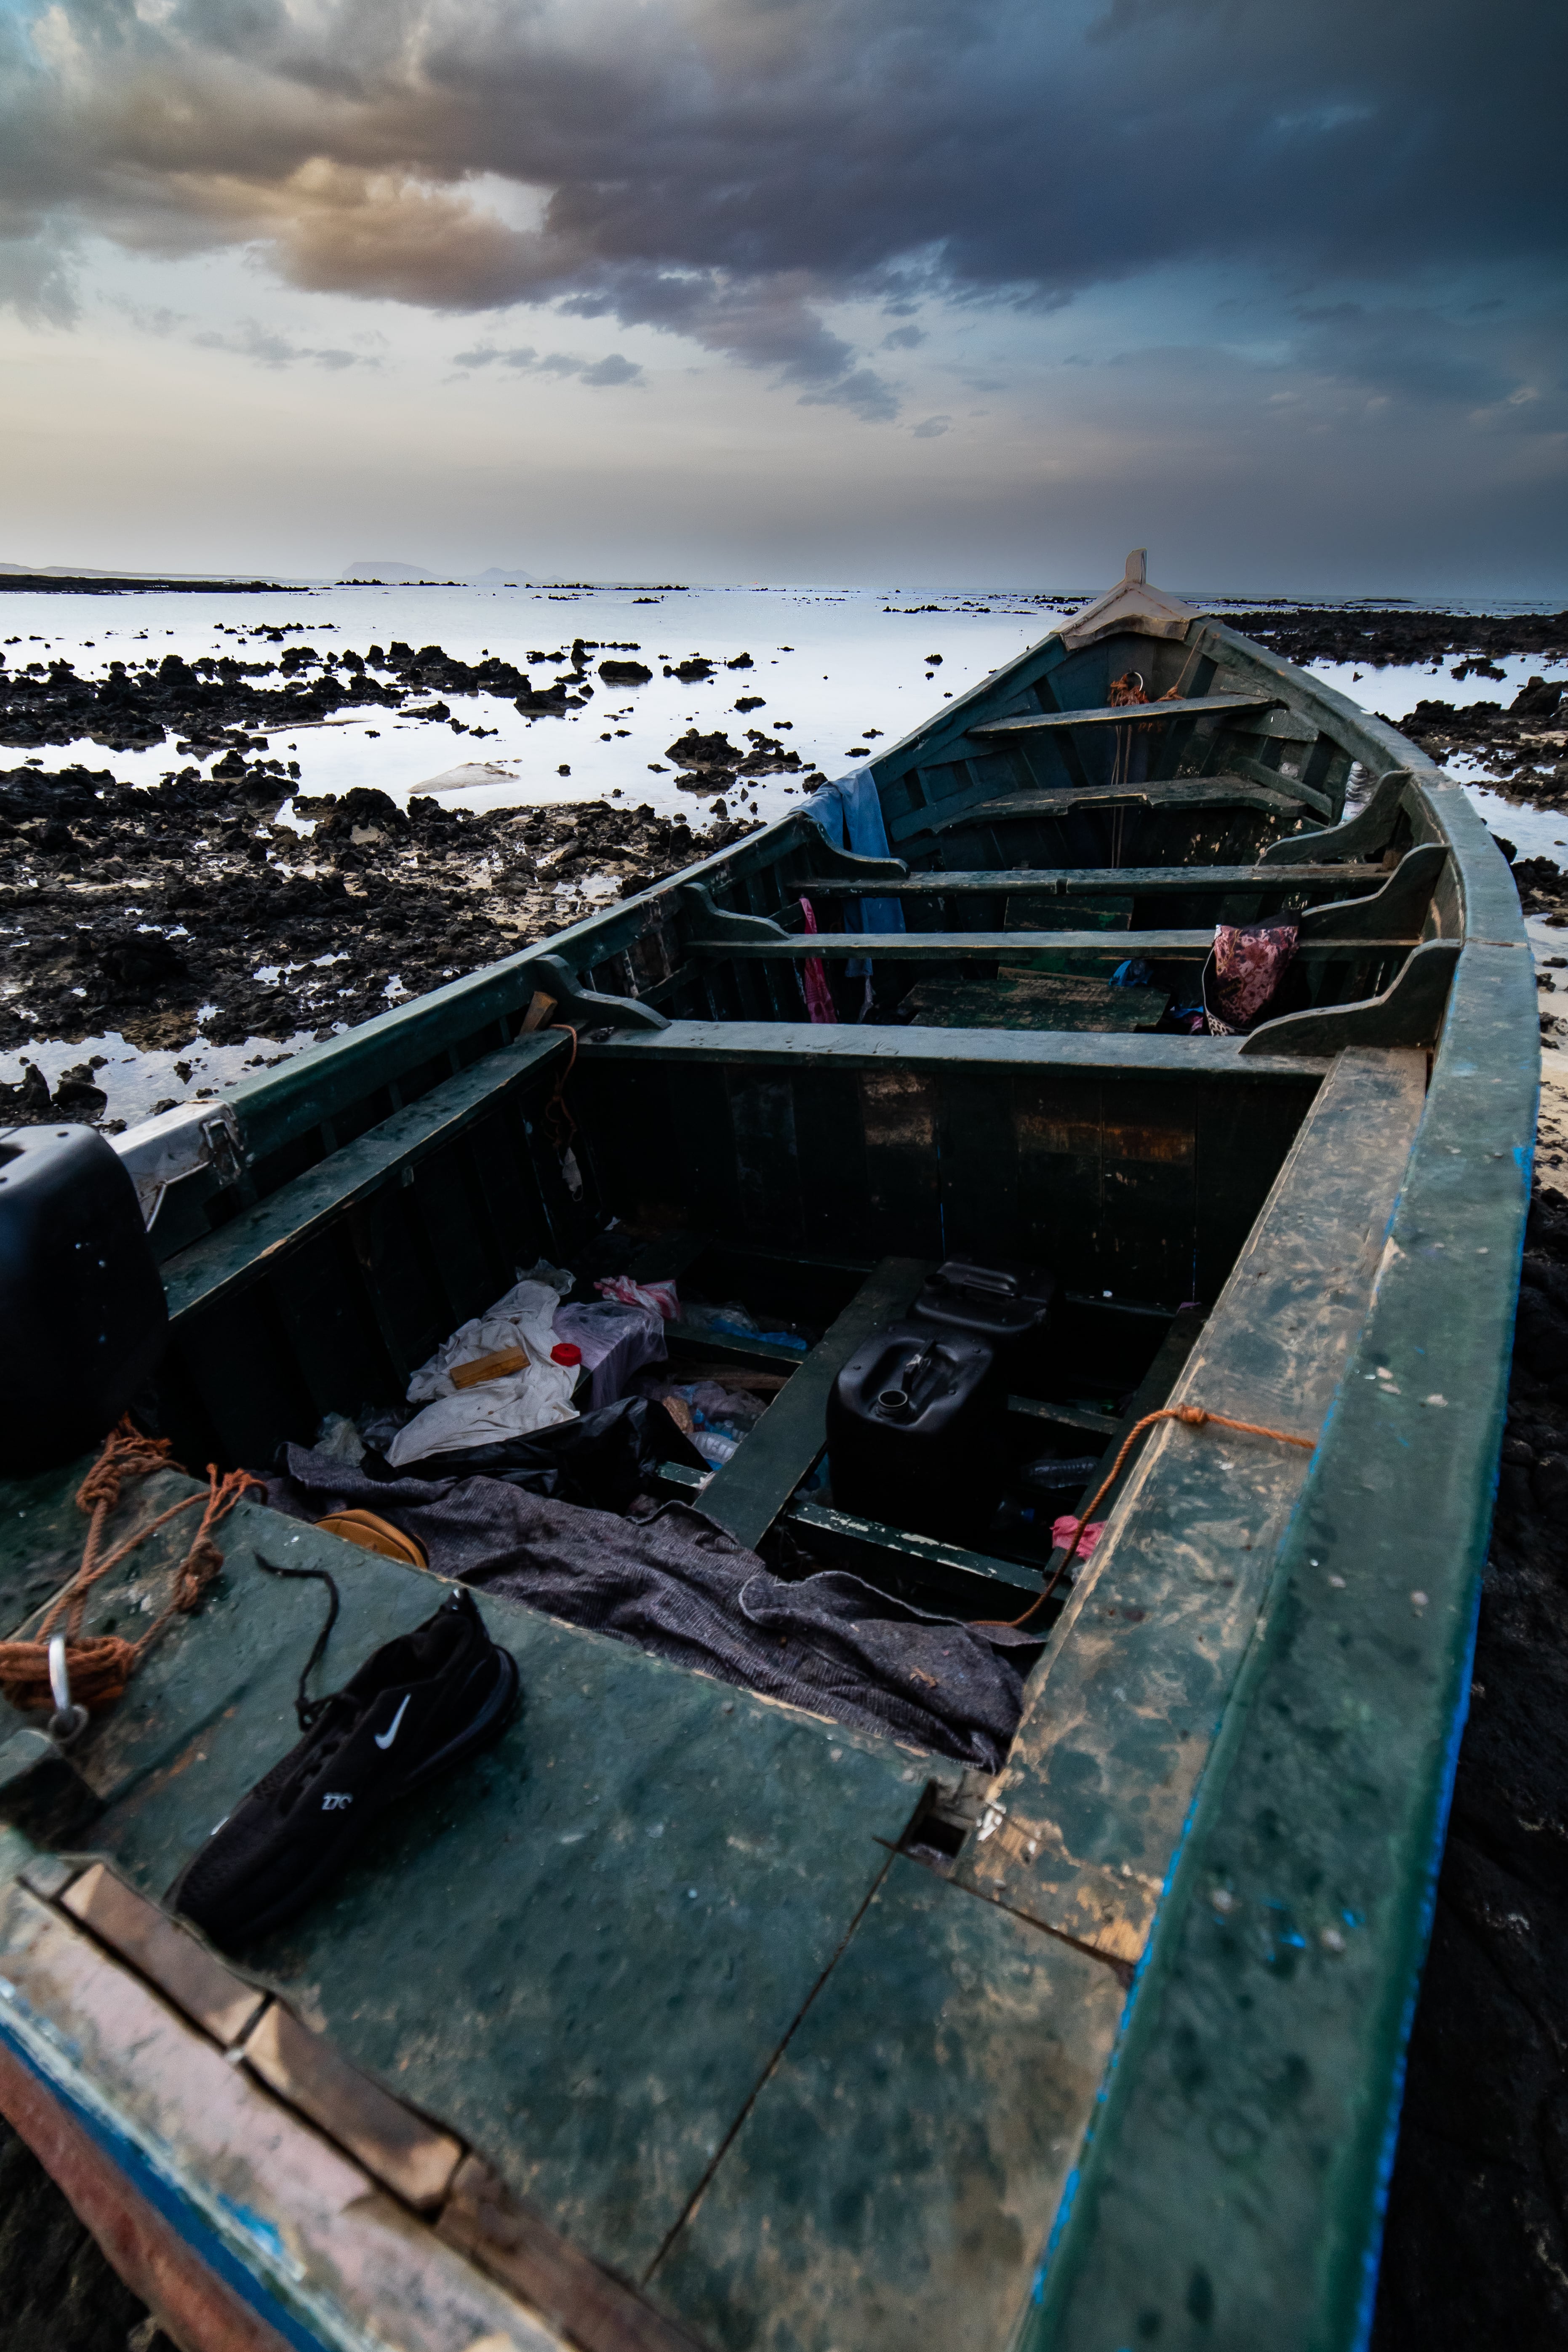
point(68, 1721)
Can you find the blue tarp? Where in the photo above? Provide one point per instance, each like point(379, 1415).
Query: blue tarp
point(850, 814)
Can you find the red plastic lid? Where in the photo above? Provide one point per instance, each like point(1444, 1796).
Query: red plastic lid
point(563, 1352)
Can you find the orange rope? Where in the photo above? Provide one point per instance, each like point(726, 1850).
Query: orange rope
point(558, 1118)
point(100, 1665)
point(1192, 1416)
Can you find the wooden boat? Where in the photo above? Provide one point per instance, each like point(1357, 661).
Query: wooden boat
point(690, 2018)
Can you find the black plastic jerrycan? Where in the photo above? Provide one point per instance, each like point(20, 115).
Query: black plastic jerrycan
point(914, 1430)
point(82, 1314)
point(1003, 1305)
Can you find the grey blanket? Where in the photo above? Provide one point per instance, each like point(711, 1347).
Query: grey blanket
point(675, 1583)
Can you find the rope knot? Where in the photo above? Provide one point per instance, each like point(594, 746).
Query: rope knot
point(101, 1665)
point(201, 1564)
point(1191, 1416)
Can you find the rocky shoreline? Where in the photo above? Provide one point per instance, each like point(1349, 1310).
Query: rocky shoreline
point(157, 914)
point(1524, 743)
point(211, 704)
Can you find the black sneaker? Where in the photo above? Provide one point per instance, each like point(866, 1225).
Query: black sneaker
point(419, 1706)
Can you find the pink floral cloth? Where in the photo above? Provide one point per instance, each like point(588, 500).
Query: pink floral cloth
point(1061, 1535)
point(1248, 965)
point(814, 975)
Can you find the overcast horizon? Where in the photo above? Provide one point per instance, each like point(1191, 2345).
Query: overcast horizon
point(788, 291)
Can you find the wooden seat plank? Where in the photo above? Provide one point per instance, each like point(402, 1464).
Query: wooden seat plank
point(748, 1492)
point(950, 1576)
point(1088, 1809)
point(862, 1045)
point(1182, 793)
point(1127, 714)
point(1099, 881)
point(911, 947)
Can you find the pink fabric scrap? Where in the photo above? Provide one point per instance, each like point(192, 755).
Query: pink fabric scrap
point(659, 1296)
point(814, 975)
point(1061, 1535)
point(1248, 965)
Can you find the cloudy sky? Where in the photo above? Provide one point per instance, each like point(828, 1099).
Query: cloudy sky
point(970, 291)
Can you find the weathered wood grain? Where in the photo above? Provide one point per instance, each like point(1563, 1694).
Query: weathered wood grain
point(578, 1954)
point(258, 2197)
point(1102, 881)
point(892, 2185)
point(397, 2146)
point(1239, 2158)
point(1121, 1712)
point(1123, 714)
point(249, 1244)
point(168, 1954)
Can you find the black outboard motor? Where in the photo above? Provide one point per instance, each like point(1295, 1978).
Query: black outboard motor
point(913, 1430)
point(81, 1300)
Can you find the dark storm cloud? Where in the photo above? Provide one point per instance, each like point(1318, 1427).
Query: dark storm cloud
point(722, 168)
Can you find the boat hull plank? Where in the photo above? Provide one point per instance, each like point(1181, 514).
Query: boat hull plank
point(204, 1273)
point(894, 2183)
point(247, 2229)
point(1063, 1164)
point(1240, 2158)
point(1121, 1712)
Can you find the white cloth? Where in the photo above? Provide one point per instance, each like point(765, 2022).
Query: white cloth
point(532, 1398)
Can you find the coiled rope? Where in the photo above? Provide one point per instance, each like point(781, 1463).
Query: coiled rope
point(100, 1665)
point(1191, 1416)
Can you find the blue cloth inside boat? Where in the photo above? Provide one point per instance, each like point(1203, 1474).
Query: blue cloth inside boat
point(850, 814)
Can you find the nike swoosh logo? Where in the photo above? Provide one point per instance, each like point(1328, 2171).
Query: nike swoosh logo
point(385, 1738)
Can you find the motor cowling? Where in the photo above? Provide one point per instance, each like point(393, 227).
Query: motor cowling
point(81, 1300)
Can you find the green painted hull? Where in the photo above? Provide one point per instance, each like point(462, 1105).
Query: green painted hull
point(687, 2016)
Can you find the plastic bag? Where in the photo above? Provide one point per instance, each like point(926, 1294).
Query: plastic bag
point(735, 1322)
point(601, 1460)
point(616, 1342)
point(660, 1296)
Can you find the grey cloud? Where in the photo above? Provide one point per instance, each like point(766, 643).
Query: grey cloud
point(723, 169)
point(251, 342)
point(614, 369)
point(903, 339)
point(36, 278)
point(934, 428)
point(864, 391)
